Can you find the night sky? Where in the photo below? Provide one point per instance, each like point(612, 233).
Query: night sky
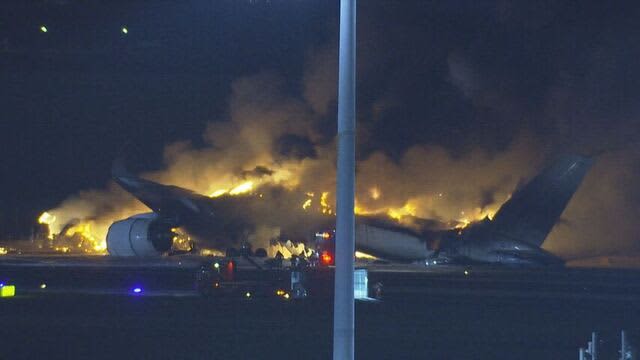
point(464, 76)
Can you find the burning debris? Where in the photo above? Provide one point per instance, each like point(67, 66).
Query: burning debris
point(243, 188)
point(76, 236)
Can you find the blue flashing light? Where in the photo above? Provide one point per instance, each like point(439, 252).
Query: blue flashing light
point(1, 284)
point(137, 290)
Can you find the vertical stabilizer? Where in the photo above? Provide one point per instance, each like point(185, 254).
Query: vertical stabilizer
point(532, 211)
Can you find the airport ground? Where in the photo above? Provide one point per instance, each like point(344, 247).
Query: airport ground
point(441, 313)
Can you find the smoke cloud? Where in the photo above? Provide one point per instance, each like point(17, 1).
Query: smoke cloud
point(524, 113)
point(271, 141)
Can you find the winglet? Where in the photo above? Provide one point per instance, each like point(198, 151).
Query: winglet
point(119, 170)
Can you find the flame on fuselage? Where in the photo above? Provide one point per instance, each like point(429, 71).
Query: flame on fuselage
point(218, 193)
point(306, 204)
point(324, 208)
point(243, 188)
point(398, 213)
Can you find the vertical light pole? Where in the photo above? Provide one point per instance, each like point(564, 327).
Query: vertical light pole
point(343, 307)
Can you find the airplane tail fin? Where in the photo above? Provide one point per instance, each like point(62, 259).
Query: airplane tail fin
point(532, 211)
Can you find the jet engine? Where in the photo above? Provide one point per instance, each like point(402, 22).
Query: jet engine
point(139, 235)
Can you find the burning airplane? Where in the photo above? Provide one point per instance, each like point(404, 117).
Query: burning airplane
point(513, 236)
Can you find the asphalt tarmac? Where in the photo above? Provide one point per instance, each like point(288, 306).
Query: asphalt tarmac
point(434, 313)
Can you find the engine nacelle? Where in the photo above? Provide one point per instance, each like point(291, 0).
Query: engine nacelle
point(139, 235)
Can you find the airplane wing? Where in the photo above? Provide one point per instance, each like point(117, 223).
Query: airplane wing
point(170, 202)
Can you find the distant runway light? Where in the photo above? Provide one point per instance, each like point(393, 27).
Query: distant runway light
point(43, 286)
point(124, 30)
point(43, 29)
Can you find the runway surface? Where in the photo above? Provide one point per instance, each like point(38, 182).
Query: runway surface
point(432, 313)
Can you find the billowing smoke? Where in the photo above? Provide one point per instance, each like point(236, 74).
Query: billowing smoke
point(272, 138)
point(580, 97)
point(428, 182)
point(270, 141)
point(600, 219)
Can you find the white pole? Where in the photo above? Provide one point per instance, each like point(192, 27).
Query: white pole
point(343, 308)
point(623, 346)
